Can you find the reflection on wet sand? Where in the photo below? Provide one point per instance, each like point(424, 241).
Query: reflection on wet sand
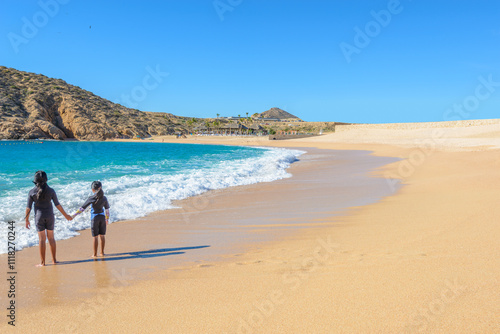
point(50, 282)
point(101, 274)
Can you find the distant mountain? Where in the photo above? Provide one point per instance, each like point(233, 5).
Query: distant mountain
point(35, 106)
point(277, 113)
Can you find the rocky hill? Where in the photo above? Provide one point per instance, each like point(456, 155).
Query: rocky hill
point(35, 106)
point(277, 113)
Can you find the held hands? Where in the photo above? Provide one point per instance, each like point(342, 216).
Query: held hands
point(68, 217)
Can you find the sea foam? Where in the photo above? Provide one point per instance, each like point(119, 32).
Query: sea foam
point(136, 195)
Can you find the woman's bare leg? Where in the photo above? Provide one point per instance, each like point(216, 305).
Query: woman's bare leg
point(41, 247)
point(52, 244)
point(96, 241)
point(103, 243)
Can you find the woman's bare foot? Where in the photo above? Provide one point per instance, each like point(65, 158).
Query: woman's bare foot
point(55, 262)
point(93, 256)
point(40, 265)
point(102, 254)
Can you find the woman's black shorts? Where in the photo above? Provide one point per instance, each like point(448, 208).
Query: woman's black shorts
point(46, 223)
point(98, 225)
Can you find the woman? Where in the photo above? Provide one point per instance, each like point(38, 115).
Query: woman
point(42, 195)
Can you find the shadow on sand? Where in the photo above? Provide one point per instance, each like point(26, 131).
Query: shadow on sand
point(137, 255)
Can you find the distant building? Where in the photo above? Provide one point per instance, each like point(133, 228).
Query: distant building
point(262, 119)
point(232, 128)
point(267, 119)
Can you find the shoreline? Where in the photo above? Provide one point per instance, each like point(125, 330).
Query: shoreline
point(384, 273)
point(186, 220)
point(146, 192)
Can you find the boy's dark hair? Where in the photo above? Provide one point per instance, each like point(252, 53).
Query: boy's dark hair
point(40, 180)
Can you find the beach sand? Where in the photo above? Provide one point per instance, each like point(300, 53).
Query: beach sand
point(424, 259)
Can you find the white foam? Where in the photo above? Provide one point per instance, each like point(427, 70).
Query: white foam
point(135, 196)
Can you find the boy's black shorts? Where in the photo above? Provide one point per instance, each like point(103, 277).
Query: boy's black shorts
point(98, 225)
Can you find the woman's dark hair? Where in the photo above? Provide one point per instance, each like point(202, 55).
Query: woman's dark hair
point(40, 180)
point(97, 186)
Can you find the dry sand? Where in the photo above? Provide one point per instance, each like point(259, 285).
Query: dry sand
point(425, 260)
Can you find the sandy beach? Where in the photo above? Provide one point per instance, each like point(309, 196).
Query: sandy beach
point(423, 257)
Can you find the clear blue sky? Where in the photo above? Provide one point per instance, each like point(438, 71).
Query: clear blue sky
point(251, 55)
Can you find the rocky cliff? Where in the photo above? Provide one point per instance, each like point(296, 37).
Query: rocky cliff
point(35, 106)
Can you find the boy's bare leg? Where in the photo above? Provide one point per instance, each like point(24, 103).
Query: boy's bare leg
point(96, 241)
point(41, 248)
point(103, 243)
point(52, 244)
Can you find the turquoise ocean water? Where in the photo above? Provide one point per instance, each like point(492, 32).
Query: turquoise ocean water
point(138, 178)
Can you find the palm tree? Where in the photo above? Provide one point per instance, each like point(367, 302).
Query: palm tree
point(218, 115)
point(216, 124)
point(247, 115)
